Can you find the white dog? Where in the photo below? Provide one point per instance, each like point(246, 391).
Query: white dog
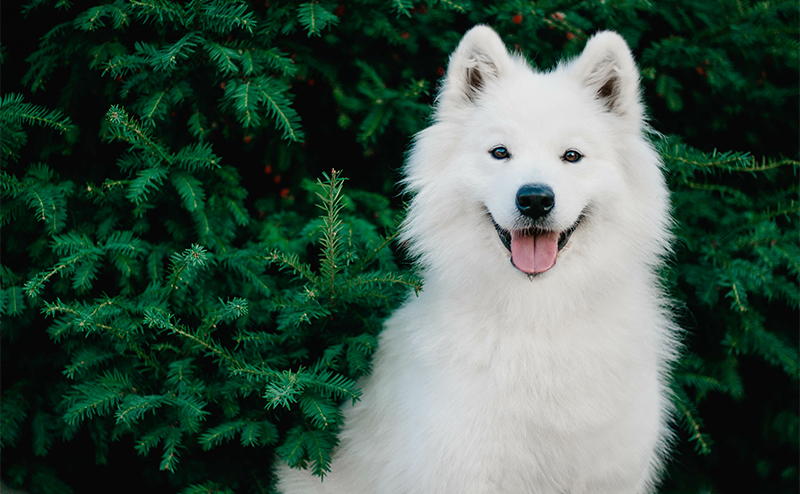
point(536, 357)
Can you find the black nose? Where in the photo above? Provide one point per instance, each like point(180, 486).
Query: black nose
point(535, 201)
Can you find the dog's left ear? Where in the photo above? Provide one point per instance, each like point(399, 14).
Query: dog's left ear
point(606, 68)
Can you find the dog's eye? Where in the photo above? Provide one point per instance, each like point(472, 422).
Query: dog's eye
point(500, 153)
point(572, 156)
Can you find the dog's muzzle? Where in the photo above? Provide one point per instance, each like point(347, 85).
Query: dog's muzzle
point(534, 249)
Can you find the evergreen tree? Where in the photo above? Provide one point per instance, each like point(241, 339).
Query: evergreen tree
point(184, 301)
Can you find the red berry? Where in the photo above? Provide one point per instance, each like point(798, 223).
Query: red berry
point(517, 19)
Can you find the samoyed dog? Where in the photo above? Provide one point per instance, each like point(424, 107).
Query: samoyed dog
point(536, 357)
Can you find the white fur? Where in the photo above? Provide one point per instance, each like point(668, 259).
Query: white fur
point(493, 382)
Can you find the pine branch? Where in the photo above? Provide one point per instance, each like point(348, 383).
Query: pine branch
point(224, 57)
point(13, 412)
point(197, 126)
point(35, 4)
point(172, 446)
point(273, 58)
point(168, 57)
point(154, 106)
point(123, 242)
point(302, 444)
point(183, 266)
point(382, 280)
point(691, 422)
point(13, 303)
point(13, 110)
point(314, 18)
point(275, 95)
point(294, 449)
point(322, 412)
point(251, 434)
point(85, 359)
point(237, 209)
point(47, 201)
point(65, 266)
point(151, 439)
point(319, 445)
point(402, 7)
point(96, 398)
point(331, 255)
point(42, 427)
point(292, 262)
point(163, 320)
point(776, 351)
point(206, 488)
point(134, 407)
point(224, 432)
point(359, 349)
point(125, 65)
point(126, 129)
point(462, 7)
point(93, 18)
point(191, 409)
point(190, 189)
point(225, 17)
point(284, 390)
point(329, 384)
point(163, 11)
point(248, 97)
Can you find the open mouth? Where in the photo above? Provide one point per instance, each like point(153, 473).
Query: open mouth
point(534, 250)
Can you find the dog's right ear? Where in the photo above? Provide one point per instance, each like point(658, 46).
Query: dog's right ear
point(480, 59)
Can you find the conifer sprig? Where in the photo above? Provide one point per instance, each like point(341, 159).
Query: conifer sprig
point(315, 17)
point(123, 127)
point(14, 111)
point(331, 256)
point(337, 280)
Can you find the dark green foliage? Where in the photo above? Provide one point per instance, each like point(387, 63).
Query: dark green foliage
point(738, 254)
point(177, 309)
point(737, 262)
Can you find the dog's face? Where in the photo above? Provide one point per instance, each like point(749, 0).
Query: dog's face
point(532, 160)
point(538, 155)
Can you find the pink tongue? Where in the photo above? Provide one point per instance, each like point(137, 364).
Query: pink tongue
point(534, 253)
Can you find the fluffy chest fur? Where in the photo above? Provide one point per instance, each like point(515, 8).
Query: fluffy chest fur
point(506, 406)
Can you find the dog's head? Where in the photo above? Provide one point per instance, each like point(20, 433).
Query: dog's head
point(534, 164)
